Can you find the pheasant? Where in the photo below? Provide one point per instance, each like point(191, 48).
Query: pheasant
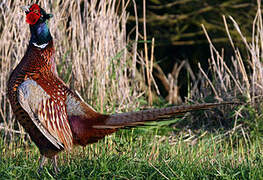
point(55, 117)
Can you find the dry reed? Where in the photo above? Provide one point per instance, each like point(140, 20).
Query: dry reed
point(240, 80)
point(244, 76)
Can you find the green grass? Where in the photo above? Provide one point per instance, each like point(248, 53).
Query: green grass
point(139, 154)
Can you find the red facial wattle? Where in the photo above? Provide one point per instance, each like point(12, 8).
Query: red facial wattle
point(34, 14)
point(32, 18)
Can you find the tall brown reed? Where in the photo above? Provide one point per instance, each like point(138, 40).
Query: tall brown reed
point(244, 76)
point(241, 79)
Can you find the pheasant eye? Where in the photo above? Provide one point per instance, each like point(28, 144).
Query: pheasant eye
point(34, 14)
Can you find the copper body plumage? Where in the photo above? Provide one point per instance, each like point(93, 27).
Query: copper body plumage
point(49, 111)
point(54, 116)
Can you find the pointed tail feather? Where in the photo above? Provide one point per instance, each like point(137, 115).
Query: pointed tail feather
point(139, 117)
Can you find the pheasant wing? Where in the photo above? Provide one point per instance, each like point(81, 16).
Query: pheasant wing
point(48, 114)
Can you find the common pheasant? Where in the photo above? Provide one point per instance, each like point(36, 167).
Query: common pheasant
point(55, 117)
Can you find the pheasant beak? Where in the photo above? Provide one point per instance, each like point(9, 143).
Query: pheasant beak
point(25, 9)
point(49, 16)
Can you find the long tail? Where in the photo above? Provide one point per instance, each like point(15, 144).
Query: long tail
point(139, 117)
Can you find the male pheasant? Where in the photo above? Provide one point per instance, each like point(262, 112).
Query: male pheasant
point(54, 116)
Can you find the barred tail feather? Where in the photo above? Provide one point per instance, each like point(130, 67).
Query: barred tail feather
point(136, 118)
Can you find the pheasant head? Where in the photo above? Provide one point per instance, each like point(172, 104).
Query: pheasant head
point(37, 18)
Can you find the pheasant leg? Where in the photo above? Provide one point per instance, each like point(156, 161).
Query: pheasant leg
point(55, 164)
point(41, 163)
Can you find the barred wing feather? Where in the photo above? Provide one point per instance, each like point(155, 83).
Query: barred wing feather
point(48, 114)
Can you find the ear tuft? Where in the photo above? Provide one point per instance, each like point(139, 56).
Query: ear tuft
point(35, 8)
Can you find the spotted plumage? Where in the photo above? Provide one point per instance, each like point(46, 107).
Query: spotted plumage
point(55, 117)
